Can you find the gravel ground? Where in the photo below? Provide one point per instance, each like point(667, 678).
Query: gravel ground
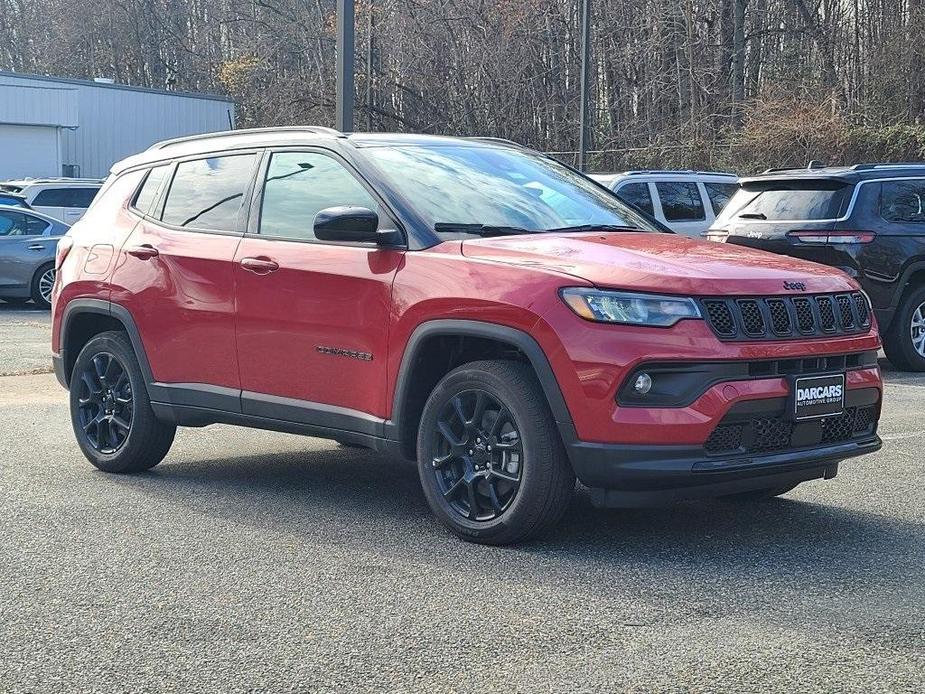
point(25, 340)
point(253, 561)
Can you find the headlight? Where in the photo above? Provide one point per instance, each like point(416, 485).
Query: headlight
point(629, 307)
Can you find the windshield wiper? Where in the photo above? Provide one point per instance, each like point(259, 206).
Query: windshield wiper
point(592, 227)
point(753, 215)
point(480, 229)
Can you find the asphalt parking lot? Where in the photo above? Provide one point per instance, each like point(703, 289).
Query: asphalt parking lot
point(252, 561)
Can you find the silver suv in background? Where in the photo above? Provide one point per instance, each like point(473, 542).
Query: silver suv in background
point(28, 240)
point(687, 202)
point(65, 199)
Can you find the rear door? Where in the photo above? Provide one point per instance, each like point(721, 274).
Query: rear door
point(66, 203)
point(312, 316)
point(679, 204)
point(79, 199)
point(174, 274)
point(638, 193)
point(23, 245)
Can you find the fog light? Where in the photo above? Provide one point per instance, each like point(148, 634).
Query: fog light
point(643, 383)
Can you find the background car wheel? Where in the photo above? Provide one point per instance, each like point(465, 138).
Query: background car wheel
point(491, 462)
point(760, 494)
point(110, 411)
point(42, 283)
point(904, 341)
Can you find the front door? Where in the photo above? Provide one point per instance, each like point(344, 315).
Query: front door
point(312, 317)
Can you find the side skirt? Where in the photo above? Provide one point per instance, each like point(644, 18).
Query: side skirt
point(199, 405)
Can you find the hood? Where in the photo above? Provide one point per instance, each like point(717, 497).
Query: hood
point(667, 263)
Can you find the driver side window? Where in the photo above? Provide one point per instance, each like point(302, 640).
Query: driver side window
point(299, 185)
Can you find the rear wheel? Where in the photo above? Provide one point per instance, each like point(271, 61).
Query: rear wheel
point(491, 462)
point(112, 417)
point(904, 341)
point(42, 283)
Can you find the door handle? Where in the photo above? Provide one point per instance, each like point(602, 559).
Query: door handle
point(143, 252)
point(259, 266)
point(36, 247)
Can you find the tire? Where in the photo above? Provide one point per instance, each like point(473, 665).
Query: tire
point(120, 394)
point(511, 461)
point(42, 282)
point(759, 494)
point(898, 341)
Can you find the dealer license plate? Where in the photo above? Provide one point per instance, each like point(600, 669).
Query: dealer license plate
point(818, 396)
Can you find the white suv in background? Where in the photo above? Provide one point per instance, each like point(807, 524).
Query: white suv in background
point(65, 199)
point(686, 202)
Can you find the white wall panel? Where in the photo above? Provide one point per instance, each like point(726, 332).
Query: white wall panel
point(113, 121)
point(28, 150)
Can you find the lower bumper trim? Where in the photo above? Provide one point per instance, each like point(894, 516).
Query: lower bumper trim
point(649, 475)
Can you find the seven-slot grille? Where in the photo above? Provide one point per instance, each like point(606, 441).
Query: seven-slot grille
point(782, 317)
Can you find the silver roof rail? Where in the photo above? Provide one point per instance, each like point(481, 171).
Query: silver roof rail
point(891, 165)
point(690, 172)
point(317, 129)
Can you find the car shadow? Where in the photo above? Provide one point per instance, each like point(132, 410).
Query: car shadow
point(374, 503)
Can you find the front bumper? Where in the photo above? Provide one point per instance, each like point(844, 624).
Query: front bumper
point(628, 476)
point(754, 446)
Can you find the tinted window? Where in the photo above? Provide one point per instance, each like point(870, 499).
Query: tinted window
point(680, 201)
point(65, 197)
point(720, 194)
point(301, 184)
point(457, 185)
point(208, 193)
point(145, 197)
point(637, 194)
point(19, 224)
point(794, 202)
point(903, 201)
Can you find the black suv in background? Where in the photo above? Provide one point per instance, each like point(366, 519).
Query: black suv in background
point(868, 220)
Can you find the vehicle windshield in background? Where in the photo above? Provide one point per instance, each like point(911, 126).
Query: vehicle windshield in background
point(461, 190)
point(815, 200)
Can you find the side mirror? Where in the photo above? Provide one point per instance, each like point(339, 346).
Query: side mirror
point(356, 224)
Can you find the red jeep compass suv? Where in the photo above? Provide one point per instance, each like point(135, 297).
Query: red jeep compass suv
point(466, 303)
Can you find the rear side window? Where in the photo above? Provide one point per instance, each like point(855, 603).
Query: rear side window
point(720, 194)
point(637, 194)
point(145, 198)
point(680, 201)
point(789, 202)
point(208, 193)
point(301, 184)
point(19, 224)
point(903, 201)
point(65, 197)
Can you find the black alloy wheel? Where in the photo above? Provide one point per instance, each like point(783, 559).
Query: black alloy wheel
point(104, 403)
point(480, 454)
point(491, 461)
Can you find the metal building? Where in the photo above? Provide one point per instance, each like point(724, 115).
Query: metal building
point(64, 127)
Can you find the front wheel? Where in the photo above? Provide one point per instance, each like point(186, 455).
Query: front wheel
point(112, 417)
point(904, 341)
point(491, 462)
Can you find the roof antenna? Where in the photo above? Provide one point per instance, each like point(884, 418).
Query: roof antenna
point(815, 164)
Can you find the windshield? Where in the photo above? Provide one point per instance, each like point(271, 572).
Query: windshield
point(456, 186)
